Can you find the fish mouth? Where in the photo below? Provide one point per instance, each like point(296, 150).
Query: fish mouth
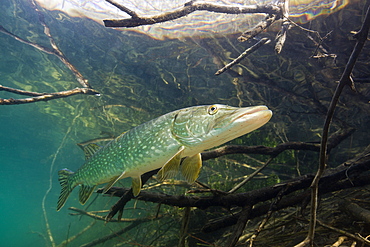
point(252, 110)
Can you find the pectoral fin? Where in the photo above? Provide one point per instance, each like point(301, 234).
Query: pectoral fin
point(136, 185)
point(171, 168)
point(112, 182)
point(190, 167)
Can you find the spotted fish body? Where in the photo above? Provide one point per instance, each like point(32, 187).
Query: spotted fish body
point(172, 142)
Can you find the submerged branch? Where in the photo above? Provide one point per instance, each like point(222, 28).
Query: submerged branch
point(188, 8)
point(43, 96)
point(247, 179)
point(257, 29)
point(126, 197)
point(113, 235)
point(332, 182)
point(333, 141)
point(240, 225)
point(86, 88)
point(70, 239)
point(273, 13)
point(248, 51)
point(55, 51)
point(287, 201)
point(98, 217)
point(345, 80)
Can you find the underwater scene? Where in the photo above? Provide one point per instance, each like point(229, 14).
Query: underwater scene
point(184, 123)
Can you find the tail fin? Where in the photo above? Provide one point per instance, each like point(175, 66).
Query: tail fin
point(67, 188)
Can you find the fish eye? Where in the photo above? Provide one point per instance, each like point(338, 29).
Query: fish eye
point(213, 109)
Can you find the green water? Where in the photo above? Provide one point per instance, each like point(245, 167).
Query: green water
point(140, 78)
point(25, 149)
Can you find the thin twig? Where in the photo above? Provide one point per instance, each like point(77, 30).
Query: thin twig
point(257, 29)
point(79, 77)
point(70, 239)
point(86, 88)
point(113, 235)
point(43, 96)
point(238, 186)
point(98, 217)
point(37, 46)
point(184, 227)
point(345, 80)
point(243, 55)
point(350, 235)
point(268, 216)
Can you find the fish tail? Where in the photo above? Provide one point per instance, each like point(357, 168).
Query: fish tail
point(66, 184)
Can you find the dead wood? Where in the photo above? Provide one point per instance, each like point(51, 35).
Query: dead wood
point(248, 51)
point(347, 177)
point(98, 217)
point(333, 141)
point(345, 80)
point(278, 10)
point(126, 194)
point(125, 197)
point(43, 96)
point(240, 225)
point(259, 28)
point(86, 88)
point(113, 235)
point(356, 211)
point(286, 201)
point(188, 8)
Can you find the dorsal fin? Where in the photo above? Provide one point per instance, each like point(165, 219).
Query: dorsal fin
point(90, 150)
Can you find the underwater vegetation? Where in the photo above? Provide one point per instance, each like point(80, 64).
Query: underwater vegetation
point(89, 84)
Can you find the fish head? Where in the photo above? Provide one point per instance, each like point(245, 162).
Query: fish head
point(203, 127)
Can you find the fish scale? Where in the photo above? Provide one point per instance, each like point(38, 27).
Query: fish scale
point(172, 142)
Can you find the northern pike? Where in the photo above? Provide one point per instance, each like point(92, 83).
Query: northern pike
point(172, 142)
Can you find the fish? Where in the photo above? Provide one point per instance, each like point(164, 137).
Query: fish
point(172, 142)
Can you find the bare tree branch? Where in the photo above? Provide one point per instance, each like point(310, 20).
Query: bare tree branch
point(98, 217)
point(334, 140)
point(43, 96)
point(248, 51)
point(257, 29)
point(331, 182)
point(54, 51)
point(345, 80)
point(188, 8)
